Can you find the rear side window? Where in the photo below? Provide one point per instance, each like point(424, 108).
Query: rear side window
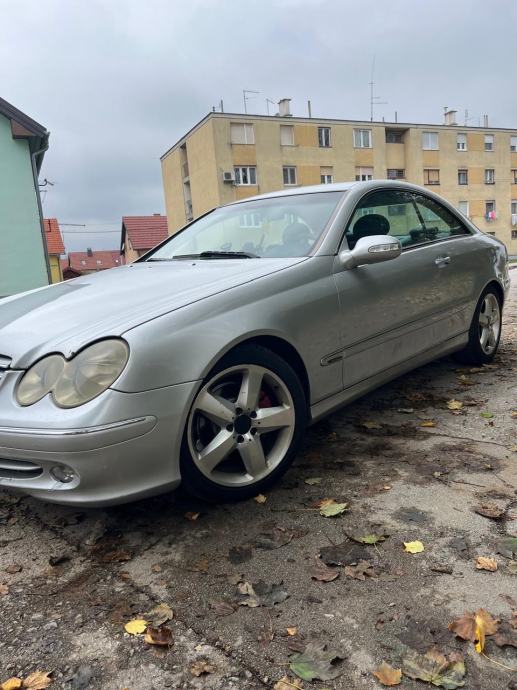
point(439, 223)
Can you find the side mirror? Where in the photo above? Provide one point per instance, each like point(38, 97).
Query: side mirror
point(371, 250)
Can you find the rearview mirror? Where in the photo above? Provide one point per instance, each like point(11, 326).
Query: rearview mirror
point(371, 250)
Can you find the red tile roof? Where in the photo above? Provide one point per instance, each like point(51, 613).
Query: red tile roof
point(98, 261)
point(53, 236)
point(144, 232)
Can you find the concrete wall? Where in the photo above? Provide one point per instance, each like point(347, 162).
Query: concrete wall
point(22, 256)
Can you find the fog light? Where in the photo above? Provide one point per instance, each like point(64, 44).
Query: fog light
point(62, 474)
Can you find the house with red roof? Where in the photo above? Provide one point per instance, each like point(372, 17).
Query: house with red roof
point(80, 263)
point(140, 234)
point(55, 248)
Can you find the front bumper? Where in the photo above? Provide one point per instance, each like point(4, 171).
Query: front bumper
point(117, 448)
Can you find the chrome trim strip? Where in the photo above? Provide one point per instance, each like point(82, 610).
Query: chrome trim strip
point(51, 433)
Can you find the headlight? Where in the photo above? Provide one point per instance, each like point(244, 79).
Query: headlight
point(75, 382)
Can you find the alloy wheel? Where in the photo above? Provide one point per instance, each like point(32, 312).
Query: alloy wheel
point(241, 425)
point(489, 323)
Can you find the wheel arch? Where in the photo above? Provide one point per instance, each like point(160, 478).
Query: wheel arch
point(498, 288)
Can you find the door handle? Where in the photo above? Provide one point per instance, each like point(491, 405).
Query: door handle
point(442, 260)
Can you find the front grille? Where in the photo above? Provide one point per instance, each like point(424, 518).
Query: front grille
point(19, 469)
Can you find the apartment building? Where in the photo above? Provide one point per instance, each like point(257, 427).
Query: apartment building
point(227, 156)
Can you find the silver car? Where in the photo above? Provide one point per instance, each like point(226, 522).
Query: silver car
point(205, 360)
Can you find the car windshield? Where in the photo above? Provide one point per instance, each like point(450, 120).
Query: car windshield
point(285, 226)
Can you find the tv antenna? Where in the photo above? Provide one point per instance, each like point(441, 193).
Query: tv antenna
point(374, 100)
point(268, 101)
point(246, 98)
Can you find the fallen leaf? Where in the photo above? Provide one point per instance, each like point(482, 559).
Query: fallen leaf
point(286, 683)
point(474, 626)
point(323, 573)
point(360, 571)
point(316, 662)
point(489, 510)
point(160, 636)
point(13, 568)
point(200, 566)
point(191, 515)
point(413, 546)
point(428, 423)
point(388, 675)
point(486, 415)
point(506, 636)
point(222, 608)
point(4, 589)
point(511, 569)
point(406, 410)
point(240, 554)
point(277, 537)
point(434, 667)
point(11, 684)
point(159, 614)
point(454, 404)
point(260, 498)
point(371, 425)
point(291, 631)
point(136, 626)
point(260, 594)
point(333, 509)
point(202, 667)
point(370, 539)
point(485, 563)
point(39, 680)
point(345, 553)
point(313, 481)
point(507, 547)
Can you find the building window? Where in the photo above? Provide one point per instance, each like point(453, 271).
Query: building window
point(245, 175)
point(250, 220)
point(461, 142)
point(430, 141)
point(241, 133)
point(463, 207)
point(431, 176)
point(514, 213)
point(326, 175)
point(394, 136)
point(289, 175)
point(463, 176)
point(363, 174)
point(363, 138)
point(396, 173)
point(489, 142)
point(490, 210)
point(287, 135)
point(514, 177)
point(490, 233)
point(513, 144)
point(324, 137)
point(514, 234)
point(489, 176)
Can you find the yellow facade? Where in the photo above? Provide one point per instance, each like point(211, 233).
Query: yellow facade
point(195, 168)
point(56, 273)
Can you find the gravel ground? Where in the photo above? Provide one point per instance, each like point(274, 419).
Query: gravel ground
point(70, 580)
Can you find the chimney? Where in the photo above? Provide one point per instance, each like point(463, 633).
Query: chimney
point(485, 120)
point(284, 108)
point(449, 117)
point(89, 252)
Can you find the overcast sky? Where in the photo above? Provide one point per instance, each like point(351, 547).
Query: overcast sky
point(117, 82)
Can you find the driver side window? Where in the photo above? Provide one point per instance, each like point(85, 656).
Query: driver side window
point(385, 212)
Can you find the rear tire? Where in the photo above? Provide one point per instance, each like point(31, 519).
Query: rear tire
point(485, 330)
point(245, 426)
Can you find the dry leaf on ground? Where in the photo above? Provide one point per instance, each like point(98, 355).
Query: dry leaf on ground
point(388, 675)
point(316, 662)
point(136, 626)
point(474, 627)
point(428, 423)
point(4, 589)
point(345, 553)
point(331, 508)
point(312, 481)
point(222, 608)
point(371, 425)
point(323, 573)
point(413, 546)
point(485, 563)
point(286, 683)
point(454, 404)
point(191, 515)
point(434, 667)
point(506, 635)
point(39, 680)
point(160, 636)
point(291, 631)
point(11, 684)
point(202, 667)
point(360, 571)
point(260, 498)
point(260, 594)
point(489, 510)
point(159, 614)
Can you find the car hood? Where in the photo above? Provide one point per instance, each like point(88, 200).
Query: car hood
point(66, 316)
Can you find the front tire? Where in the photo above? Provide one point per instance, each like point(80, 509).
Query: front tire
point(245, 426)
point(485, 330)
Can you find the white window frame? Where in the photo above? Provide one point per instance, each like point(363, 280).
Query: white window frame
point(324, 137)
point(326, 178)
point(396, 176)
point(288, 169)
point(429, 139)
point(238, 170)
point(362, 138)
point(287, 140)
point(513, 144)
point(489, 142)
point(489, 176)
point(461, 142)
point(364, 174)
point(466, 208)
point(513, 207)
point(466, 171)
point(250, 220)
point(248, 134)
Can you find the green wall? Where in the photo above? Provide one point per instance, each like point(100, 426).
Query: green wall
point(22, 255)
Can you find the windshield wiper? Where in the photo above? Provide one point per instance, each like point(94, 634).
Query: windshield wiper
point(213, 254)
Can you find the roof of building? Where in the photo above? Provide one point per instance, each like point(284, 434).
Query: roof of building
point(144, 232)
point(24, 127)
point(94, 261)
point(53, 236)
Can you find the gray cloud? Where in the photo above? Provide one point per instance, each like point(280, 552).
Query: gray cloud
point(118, 82)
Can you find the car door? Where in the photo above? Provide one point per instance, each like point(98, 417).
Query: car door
point(391, 311)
